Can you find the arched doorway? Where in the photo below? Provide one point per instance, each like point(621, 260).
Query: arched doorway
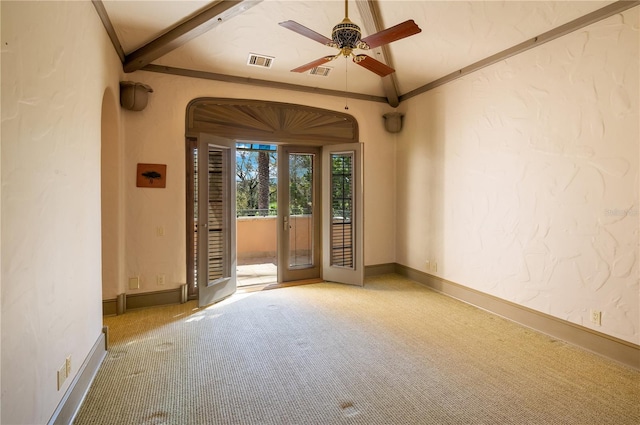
point(333, 134)
point(111, 206)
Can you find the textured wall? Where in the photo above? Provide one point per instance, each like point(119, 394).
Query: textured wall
point(56, 64)
point(156, 135)
point(521, 180)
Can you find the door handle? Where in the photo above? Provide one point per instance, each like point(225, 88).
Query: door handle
point(286, 222)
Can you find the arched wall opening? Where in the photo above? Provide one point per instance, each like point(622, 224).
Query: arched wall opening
point(266, 121)
point(257, 121)
point(111, 199)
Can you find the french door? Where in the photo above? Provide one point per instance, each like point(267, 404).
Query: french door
point(299, 224)
point(320, 215)
point(342, 214)
point(321, 220)
point(216, 219)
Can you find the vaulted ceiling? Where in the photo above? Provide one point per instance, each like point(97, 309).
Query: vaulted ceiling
point(215, 39)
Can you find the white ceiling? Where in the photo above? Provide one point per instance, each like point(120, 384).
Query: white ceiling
point(454, 34)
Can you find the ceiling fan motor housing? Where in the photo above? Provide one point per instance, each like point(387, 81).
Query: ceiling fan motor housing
point(346, 36)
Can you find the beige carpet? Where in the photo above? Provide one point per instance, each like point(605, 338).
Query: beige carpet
point(392, 352)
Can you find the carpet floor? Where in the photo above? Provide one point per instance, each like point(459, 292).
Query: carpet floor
point(393, 352)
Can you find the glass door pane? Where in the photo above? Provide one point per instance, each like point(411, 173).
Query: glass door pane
point(342, 200)
point(342, 209)
point(299, 235)
point(301, 210)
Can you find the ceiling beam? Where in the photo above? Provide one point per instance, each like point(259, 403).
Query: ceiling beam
point(108, 26)
point(372, 23)
point(260, 83)
point(207, 19)
point(588, 19)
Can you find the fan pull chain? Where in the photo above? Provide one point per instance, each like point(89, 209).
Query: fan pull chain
point(346, 84)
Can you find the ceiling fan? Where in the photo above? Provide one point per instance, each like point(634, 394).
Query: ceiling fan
point(346, 36)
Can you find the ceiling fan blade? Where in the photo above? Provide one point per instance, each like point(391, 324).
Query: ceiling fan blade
point(373, 65)
point(313, 64)
point(302, 30)
point(400, 31)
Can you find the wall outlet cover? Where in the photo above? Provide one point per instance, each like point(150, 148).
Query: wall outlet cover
point(62, 375)
point(134, 283)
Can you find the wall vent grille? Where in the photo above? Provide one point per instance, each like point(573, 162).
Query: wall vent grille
point(260, 61)
point(322, 71)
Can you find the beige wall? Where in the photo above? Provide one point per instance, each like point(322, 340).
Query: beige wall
point(521, 180)
point(56, 64)
point(156, 135)
point(256, 237)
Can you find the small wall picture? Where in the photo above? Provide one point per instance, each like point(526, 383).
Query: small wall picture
point(151, 175)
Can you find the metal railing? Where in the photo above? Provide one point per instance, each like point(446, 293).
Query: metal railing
point(265, 212)
point(272, 212)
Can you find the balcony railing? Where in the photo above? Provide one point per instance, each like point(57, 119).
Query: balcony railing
point(267, 212)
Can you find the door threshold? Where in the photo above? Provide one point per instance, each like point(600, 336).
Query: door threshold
point(268, 286)
point(293, 283)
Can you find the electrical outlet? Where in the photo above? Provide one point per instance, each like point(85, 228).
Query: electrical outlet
point(160, 231)
point(68, 365)
point(428, 264)
point(160, 279)
point(596, 317)
point(62, 375)
point(434, 267)
point(134, 282)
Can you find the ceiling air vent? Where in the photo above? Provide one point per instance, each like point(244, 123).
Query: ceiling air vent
point(322, 71)
point(260, 61)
